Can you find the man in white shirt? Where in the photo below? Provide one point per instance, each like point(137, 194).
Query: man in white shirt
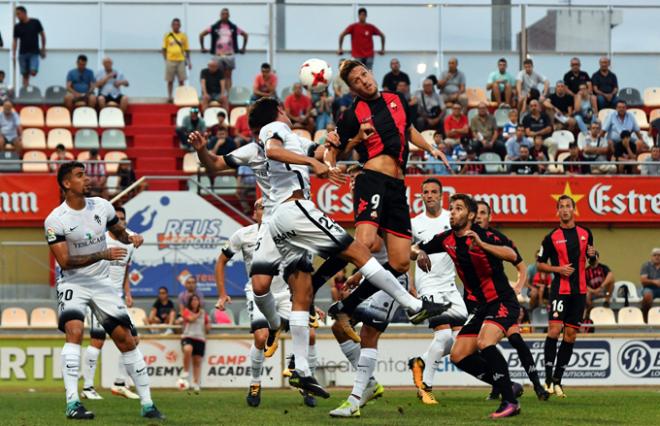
point(529, 79)
point(437, 285)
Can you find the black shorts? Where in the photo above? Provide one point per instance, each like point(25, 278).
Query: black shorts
point(567, 309)
point(502, 313)
point(381, 200)
point(197, 345)
point(110, 98)
point(620, 151)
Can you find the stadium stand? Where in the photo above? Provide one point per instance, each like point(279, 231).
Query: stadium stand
point(111, 117)
point(113, 139)
point(86, 139)
point(29, 95)
point(43, 317)
point(32, 116)
point(654, 315)
point(652, 97)
point(60, 136)
point(85, 117)
point(14, 317)
point(211, 116)
point(190, 162)
point(138, 315)
point(54, 95)
point(602, 316)
point(235, 113)
point(186, 96)
point(239, 95)
point(631, 96)
point(33, 139)
point(111, 160)
point(630, 316)
point(58, 116)
point(40, 167)
point(625, 290)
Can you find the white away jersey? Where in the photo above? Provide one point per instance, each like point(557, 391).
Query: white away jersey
point(117, 268)
point(253, 156)
point(442, 276)
point(286, 178)
point(243, 242)
point(84, 233)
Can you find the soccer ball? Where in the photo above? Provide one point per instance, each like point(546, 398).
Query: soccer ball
point(182, 384)
point(315, 74)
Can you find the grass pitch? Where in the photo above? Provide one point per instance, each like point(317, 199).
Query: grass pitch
point(584, 406)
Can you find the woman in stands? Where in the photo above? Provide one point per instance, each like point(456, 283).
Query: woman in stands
point(193, 342)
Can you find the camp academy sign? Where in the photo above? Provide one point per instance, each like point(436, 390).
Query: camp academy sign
point(525, 199)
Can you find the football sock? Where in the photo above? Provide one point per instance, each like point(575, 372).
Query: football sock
point(89, 366)
point(364, 291)
point(439, 347)
point(351, 350)
point(384, 280)
point(476, 366)
point(137, 370)
point(71, 370)
point(563, 358)
point(526, 358)
point(257, 360)
point(311, 359)
point(327, 270)
point(550, 352)
point(120, 380)
point(268, 307)
point(299, 325)
point(365, 370)
point(500, 372)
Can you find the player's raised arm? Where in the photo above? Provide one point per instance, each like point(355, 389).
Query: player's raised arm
point(118, 229)
point(418, 140)
point(275, 151)
point(220, 280)
point(496, 248)
point(211, 162)
point(61, 253)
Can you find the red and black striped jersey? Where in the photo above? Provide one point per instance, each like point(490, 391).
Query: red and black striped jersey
point(391, 120)
point(595, 275)
point(507, 242)
point(561, 247)
point(482, 274)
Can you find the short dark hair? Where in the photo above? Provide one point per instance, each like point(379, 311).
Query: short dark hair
point(65, 170)
point(2, 72)
point(82, 57)
point(362, 10)
point(502, 60)
point(433, 180)
point(483, 203)
point(469, 202)
point(565, 197)
point(60, 147)
point(173, 21)
point(120, 209)
point(21, 9)
point(346, 67)
point(163, 288)
point(221, 113)
point(572, 145)
point(265, 66)
point(262, 112)
point(625, 134)
point(528, 61)
point(621, 101)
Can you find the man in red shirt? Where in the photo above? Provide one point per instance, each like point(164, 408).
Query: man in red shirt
point(362, 43)
point(456, 125)
point(265, 83)
point(299, 109)
point(242, 133)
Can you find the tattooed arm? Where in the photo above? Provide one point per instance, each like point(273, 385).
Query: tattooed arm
point(61, 252)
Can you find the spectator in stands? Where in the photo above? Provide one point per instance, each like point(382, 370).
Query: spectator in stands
point(395, 75)
point(485, 132)
point(620, 121)
point(625, 151)
point(537, 122)
point(509, 128)
point(605, 85)
point(362, 43)
point(472, 167)
point(265, 83)
point(126, 175)
point(323, 110)
point(456, 125)
point(80, 85)
point(524, 169)
point(597, 148)
point(652, 169)
point(224, 44)
point(585, 108)
point(242, 132)
point(192, 122)
point(196, 325)
point(10, 128)
point(6, 92)
point(222, 121)
point(575, 156)
point(539, 284)
point(575, 77)
point(109, 82)
point(452, 84)
point(190, 284)
point(529, 79)
point(60, 154)
point(162, 311)
point(539, 152)
point(221, 317)
point(220, 142)
point(298, 107)
point(28, 31)
point(213, 85)
point(600, 283)
point(515, 142)
point(650, 279)
point(98, 177)
point(430, 107)
point(501, 84)
point(176, 53)
point(559, 107)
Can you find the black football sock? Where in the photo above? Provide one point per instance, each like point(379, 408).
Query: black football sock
point(526, 358)
point(563, 358)
point(550, 352)
point(500, 371)
point(475, 365)
point(364, 291)
point(327, 270)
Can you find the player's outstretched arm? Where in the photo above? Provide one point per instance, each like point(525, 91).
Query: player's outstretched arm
point(418, 140)
point(119, 231)
point(500, 251)
point(220, 281)
point(211, 162)
point(522, 277)
point(276, 151)
point(61, 253)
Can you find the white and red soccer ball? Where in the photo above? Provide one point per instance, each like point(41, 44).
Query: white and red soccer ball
point(315, 74)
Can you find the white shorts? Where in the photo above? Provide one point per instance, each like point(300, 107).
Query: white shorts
point(300, 230)
point(455, 316)
point(257, 319)
point(379, 309)
point(100, 296)
point(266, 257)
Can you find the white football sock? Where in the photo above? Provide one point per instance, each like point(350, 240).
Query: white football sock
point(439, 347)
point(351, 350)
point(299, 325)
point(365, 370)
point(268, 307)
point(89, 366)
point(71, 370)
point(311, 359)
point(384, 280)
point(257, 360)
point(137, 370)
point(121, 374)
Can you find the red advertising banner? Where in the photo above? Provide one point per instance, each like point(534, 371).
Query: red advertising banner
point(529, 199)
point(26, 199)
